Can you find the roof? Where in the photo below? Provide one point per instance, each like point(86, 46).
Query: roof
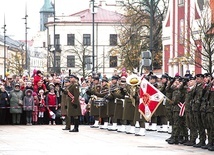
point(11, 43)
point(101, 15)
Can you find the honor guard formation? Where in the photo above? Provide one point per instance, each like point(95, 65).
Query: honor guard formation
point(113, 104)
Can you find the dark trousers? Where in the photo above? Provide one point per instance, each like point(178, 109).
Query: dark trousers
point(199, 126)
point(3, 116)
point(29, 116)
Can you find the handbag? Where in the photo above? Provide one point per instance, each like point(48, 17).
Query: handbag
point(20, 102)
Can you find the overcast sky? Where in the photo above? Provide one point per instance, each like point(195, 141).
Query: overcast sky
point(14, 11)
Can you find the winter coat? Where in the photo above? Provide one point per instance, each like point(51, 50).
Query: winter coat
point(15, 96)
point(28, 101)
point(3, 101)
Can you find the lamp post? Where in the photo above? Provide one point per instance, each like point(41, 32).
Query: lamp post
point(4, 27)
point(93, 35)
point(54, 41)
point(26, 28)
point(151, 31)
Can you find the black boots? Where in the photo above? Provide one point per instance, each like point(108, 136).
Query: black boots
point(174, 140)
point(76, 126)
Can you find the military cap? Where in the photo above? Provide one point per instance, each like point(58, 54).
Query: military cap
point(114, 77)
point(96, 77)
point(123, 79)
point(191, 78)
point(153, 77)
point(207, 75)
point(164, 76)
point(104, 79)
point(74, 76)
point(66, 80)
point(17, 84)
point(199, 75)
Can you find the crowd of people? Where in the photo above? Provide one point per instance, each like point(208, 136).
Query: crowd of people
point(111, 103)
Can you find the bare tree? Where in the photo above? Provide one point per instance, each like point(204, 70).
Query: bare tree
point(201, 43)
point(142, 30)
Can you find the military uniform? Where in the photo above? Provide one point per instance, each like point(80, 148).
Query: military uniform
point(196, 103)
point(210, 116)
point(176, 99)
point(189, 116)
point(73, 105)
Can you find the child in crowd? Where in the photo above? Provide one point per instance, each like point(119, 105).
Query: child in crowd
point(41, 109)
point(28, 105)
point(52, 105)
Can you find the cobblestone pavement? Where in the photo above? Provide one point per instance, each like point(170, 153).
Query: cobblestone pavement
point(52, 140)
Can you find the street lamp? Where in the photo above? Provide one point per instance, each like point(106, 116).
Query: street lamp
point(26, 28)
point(54, 41)
point(92, 35)
point(4, 27)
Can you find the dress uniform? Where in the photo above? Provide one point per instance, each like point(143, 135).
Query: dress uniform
point(94, 111)
point(73, 104)
point(102, 105)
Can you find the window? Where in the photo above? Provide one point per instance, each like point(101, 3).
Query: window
point(113, 39)
point(113, 61)
point(57, 61)
point(70, 39)
point(57, 39)
point(88, 62)
point(70, 61)
point(43, 44)
point(180, 2)
point(181, 39)
point(86, 39)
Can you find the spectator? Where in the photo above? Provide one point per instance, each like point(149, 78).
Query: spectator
point(28, 105)
point(4, 102)
point(52, 105)
point(16, 103)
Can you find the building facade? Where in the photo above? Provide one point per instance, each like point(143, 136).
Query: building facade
point(74, 37)
point(179, 28)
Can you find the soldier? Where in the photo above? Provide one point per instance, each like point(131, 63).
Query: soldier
point(161, 110)
point(210, 116)
point(94, 111)
point(152, 125)
point(203, 108)
point(119, 95)
point(168, 105)
point(197, 96)
point(176, 99)
point(188, 112)
point(103, 106)
point(64, 104)
point(73, 102)
point(111, 101)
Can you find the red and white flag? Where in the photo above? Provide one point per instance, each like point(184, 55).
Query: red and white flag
point(150, 99)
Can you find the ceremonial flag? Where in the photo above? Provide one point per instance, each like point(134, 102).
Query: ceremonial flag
point(150, 99)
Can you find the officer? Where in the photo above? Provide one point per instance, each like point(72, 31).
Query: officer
point(73, 104)
point(64, 104)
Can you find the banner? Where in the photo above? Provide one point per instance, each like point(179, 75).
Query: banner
point(150, 99)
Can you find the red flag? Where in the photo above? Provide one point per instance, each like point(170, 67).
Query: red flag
point(150, 99)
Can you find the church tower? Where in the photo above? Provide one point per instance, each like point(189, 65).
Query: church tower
point(46, 11)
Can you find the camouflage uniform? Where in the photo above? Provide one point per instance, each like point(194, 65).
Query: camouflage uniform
point(189, 117)
point(196, 103)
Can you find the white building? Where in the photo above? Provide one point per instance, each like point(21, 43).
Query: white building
point(73, 41)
